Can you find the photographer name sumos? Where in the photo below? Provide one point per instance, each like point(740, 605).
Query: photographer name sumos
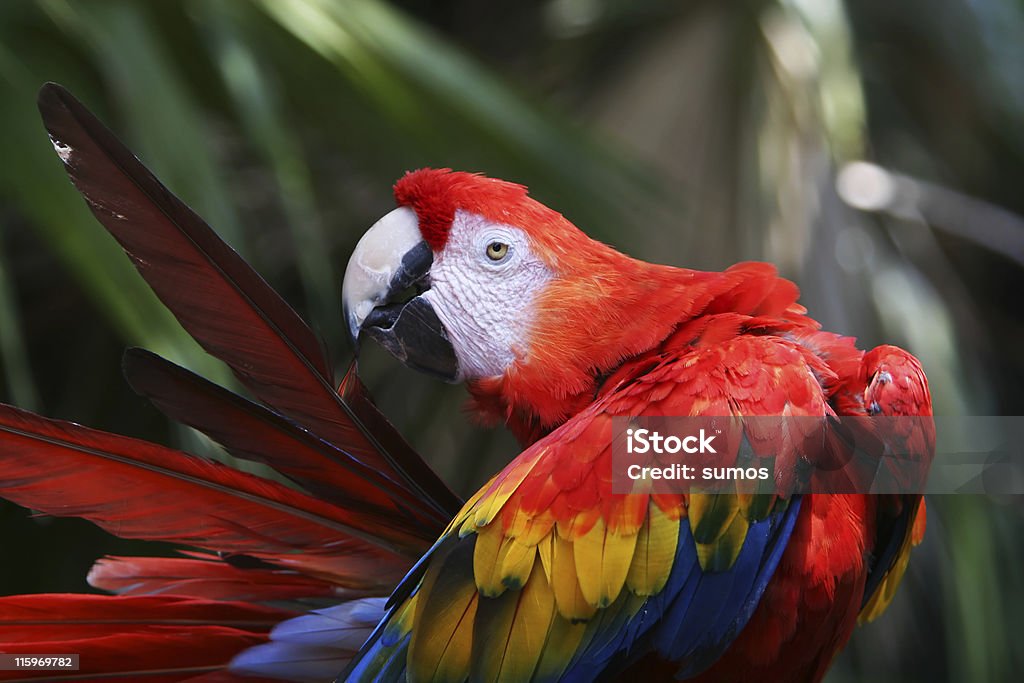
point(646, 441)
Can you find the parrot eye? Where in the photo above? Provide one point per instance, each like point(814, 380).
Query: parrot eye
point(496, 251)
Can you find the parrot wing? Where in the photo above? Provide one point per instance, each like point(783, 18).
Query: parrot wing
point(546, 574)
point(896, 386)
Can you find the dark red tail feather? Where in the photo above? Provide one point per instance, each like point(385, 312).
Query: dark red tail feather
point(206, 577)
point(373, 503)
point(355, 395)
point(136, 489)
point(216, 295)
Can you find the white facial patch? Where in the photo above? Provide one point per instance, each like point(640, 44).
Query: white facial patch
point(485, 304)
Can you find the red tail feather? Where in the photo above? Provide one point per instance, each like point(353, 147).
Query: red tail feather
point(140, 490)
point(374, 504)
point(208, 579)
point(131, 638)
point(225, 306)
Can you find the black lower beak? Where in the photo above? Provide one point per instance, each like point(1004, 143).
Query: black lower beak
point(406, 324)
point(413, 334)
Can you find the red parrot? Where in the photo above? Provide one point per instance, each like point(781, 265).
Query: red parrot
point(545, 573)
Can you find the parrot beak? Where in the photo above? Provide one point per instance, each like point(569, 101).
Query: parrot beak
point(385, 278)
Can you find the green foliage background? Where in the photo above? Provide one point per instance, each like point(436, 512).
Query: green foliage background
point(691, 132)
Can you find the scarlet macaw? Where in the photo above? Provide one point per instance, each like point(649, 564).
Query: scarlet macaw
point(544, 574)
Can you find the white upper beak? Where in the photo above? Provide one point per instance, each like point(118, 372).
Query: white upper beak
point(374, 263)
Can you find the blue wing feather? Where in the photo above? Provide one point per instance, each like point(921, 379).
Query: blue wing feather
point(697, 614)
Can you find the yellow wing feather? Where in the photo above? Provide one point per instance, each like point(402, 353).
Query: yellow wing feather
point(560, 568)
point(655, 550)
point(603, 559)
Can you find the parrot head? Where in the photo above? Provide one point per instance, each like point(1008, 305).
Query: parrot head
point(472, 280)
point(448, 280)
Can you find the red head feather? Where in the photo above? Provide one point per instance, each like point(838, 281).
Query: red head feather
point(435, 194)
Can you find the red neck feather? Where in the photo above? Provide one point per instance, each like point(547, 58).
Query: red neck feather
point(607, 309)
